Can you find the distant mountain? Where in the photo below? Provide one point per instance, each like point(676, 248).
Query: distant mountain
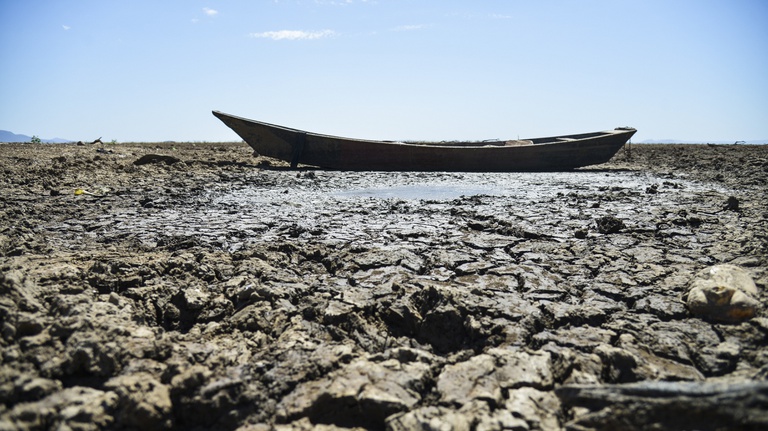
point(6, 136)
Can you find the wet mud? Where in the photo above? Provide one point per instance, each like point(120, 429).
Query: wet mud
point(194, 286)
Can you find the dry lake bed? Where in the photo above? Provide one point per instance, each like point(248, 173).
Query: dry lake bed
point(195, 286)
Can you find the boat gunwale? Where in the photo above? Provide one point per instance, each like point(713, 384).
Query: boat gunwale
point(544, 141)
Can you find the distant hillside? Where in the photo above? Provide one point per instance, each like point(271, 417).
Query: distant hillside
point(6, 136)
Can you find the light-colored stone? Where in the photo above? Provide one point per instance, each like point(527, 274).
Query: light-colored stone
point(723, 293)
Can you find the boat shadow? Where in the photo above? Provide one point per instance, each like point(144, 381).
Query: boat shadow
point(602, 170)
point(310, 168)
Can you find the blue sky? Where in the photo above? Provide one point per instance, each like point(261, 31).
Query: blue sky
point(385, 69)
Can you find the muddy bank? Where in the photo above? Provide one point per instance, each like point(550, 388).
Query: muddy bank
point(194, 286)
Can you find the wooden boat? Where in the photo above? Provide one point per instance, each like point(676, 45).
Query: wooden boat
point(332, 152)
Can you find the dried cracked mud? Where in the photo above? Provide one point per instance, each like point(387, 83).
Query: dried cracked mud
point(194, 286)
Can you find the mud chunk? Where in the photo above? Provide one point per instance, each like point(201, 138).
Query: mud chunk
point(724, 293)
point(539, 409)
point(144, 403)
point(190, 379)
point(303, 424)
point(77, 408)
point(631, 361)
point(20, 289)
point(28, 324)
point(583, 338)
point(24, 387)
point(661, 306)
point(474, 379)
point(731, 204)
point(156, 158)
point(720, 359)
point(60, 272)
point(363, 393)
point(484, 377)
point(609, 224)
point(195, 298)
point(444, 328)
point(430, 418)
point(92, 355)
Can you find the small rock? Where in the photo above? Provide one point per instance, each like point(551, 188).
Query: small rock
point(723, 293)
point(114, 298)
point(609, 224)
point(195, 298)
point(732, 204)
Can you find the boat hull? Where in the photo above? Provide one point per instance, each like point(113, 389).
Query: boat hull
point(333, 152)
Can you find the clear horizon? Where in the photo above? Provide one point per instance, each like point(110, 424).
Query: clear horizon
point(238, 139)
point(402, 69)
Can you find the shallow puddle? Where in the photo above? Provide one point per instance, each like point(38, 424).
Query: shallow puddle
point(425, 192)
point(385, 208)
point(447, 186)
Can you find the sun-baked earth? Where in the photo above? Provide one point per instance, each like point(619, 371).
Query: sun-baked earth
point(194, 286)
